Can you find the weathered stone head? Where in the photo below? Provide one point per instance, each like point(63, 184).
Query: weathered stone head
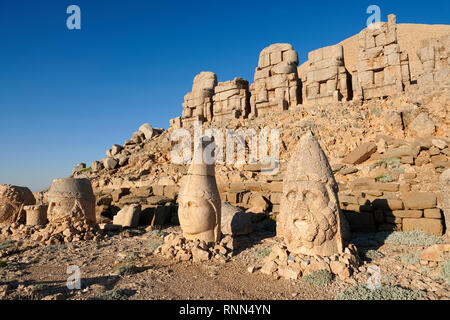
point(309, 219)
point(12, 202)
point(199, 210)
point(71, 198)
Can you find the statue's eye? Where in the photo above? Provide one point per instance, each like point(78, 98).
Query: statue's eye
point(291, 196)
point(191, 204)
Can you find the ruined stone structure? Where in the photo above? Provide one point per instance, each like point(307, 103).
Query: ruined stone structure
point(231, 100)
point(198, 103)
point(12, 202)
point(445, 195)
point(434, 55)
point(199, 210)
point(276, 85)
point(382, 69)
point(71, 199)
point(327, 80)
point(36, 215)
point(310, 220)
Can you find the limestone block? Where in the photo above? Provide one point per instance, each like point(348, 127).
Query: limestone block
point(128, 216)
point(234, 221)
point(361, 154)
point(430, 226)
point(420, 200)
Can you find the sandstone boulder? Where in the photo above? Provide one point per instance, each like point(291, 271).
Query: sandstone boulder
point(147, 130)
point(422, 125)
point(128, 216)
point(235, 221)
point(361, 154)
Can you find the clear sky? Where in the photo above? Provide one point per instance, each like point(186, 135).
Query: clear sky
point(67, 95)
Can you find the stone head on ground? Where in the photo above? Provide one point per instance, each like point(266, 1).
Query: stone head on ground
point(199, 210)
point(309, 219)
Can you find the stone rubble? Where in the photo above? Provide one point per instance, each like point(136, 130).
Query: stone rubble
point(178, 248)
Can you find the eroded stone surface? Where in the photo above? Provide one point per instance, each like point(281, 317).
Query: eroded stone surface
point(69, 199)
point(199, 210)
point(198, 103)
point(326, 80)
point(276, 85)
point(309, 219)
point(382, 69)
point(12, 201)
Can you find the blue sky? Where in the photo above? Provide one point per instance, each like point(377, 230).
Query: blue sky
point(67, 95)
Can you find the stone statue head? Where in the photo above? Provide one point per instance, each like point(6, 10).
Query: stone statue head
point(309, 219)
point(199, 210)
point(71, 198)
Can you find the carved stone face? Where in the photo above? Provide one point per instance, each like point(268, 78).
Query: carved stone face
point(199, 208)
point(310, 221)
point(196, 215)
point(58, 209)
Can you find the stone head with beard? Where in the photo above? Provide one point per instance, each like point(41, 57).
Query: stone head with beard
point(309, 221)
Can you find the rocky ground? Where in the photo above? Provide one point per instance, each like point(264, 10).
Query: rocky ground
point(124, 265)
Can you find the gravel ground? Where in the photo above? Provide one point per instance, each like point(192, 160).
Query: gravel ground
point(41, 272)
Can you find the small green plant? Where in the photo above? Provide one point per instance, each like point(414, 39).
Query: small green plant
point(127, 270)
point(386, 292)
point(373, 255)
point(412, 238)
point(3, 264)
point(7, 244)
point(384, 178)
point(445, 271)
point(131, 256)
point(156, 233)
point(262, 253)
point(389, 162)
point(111, 295)
point(410, 258)
point(318, 278)
point(85, 170)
